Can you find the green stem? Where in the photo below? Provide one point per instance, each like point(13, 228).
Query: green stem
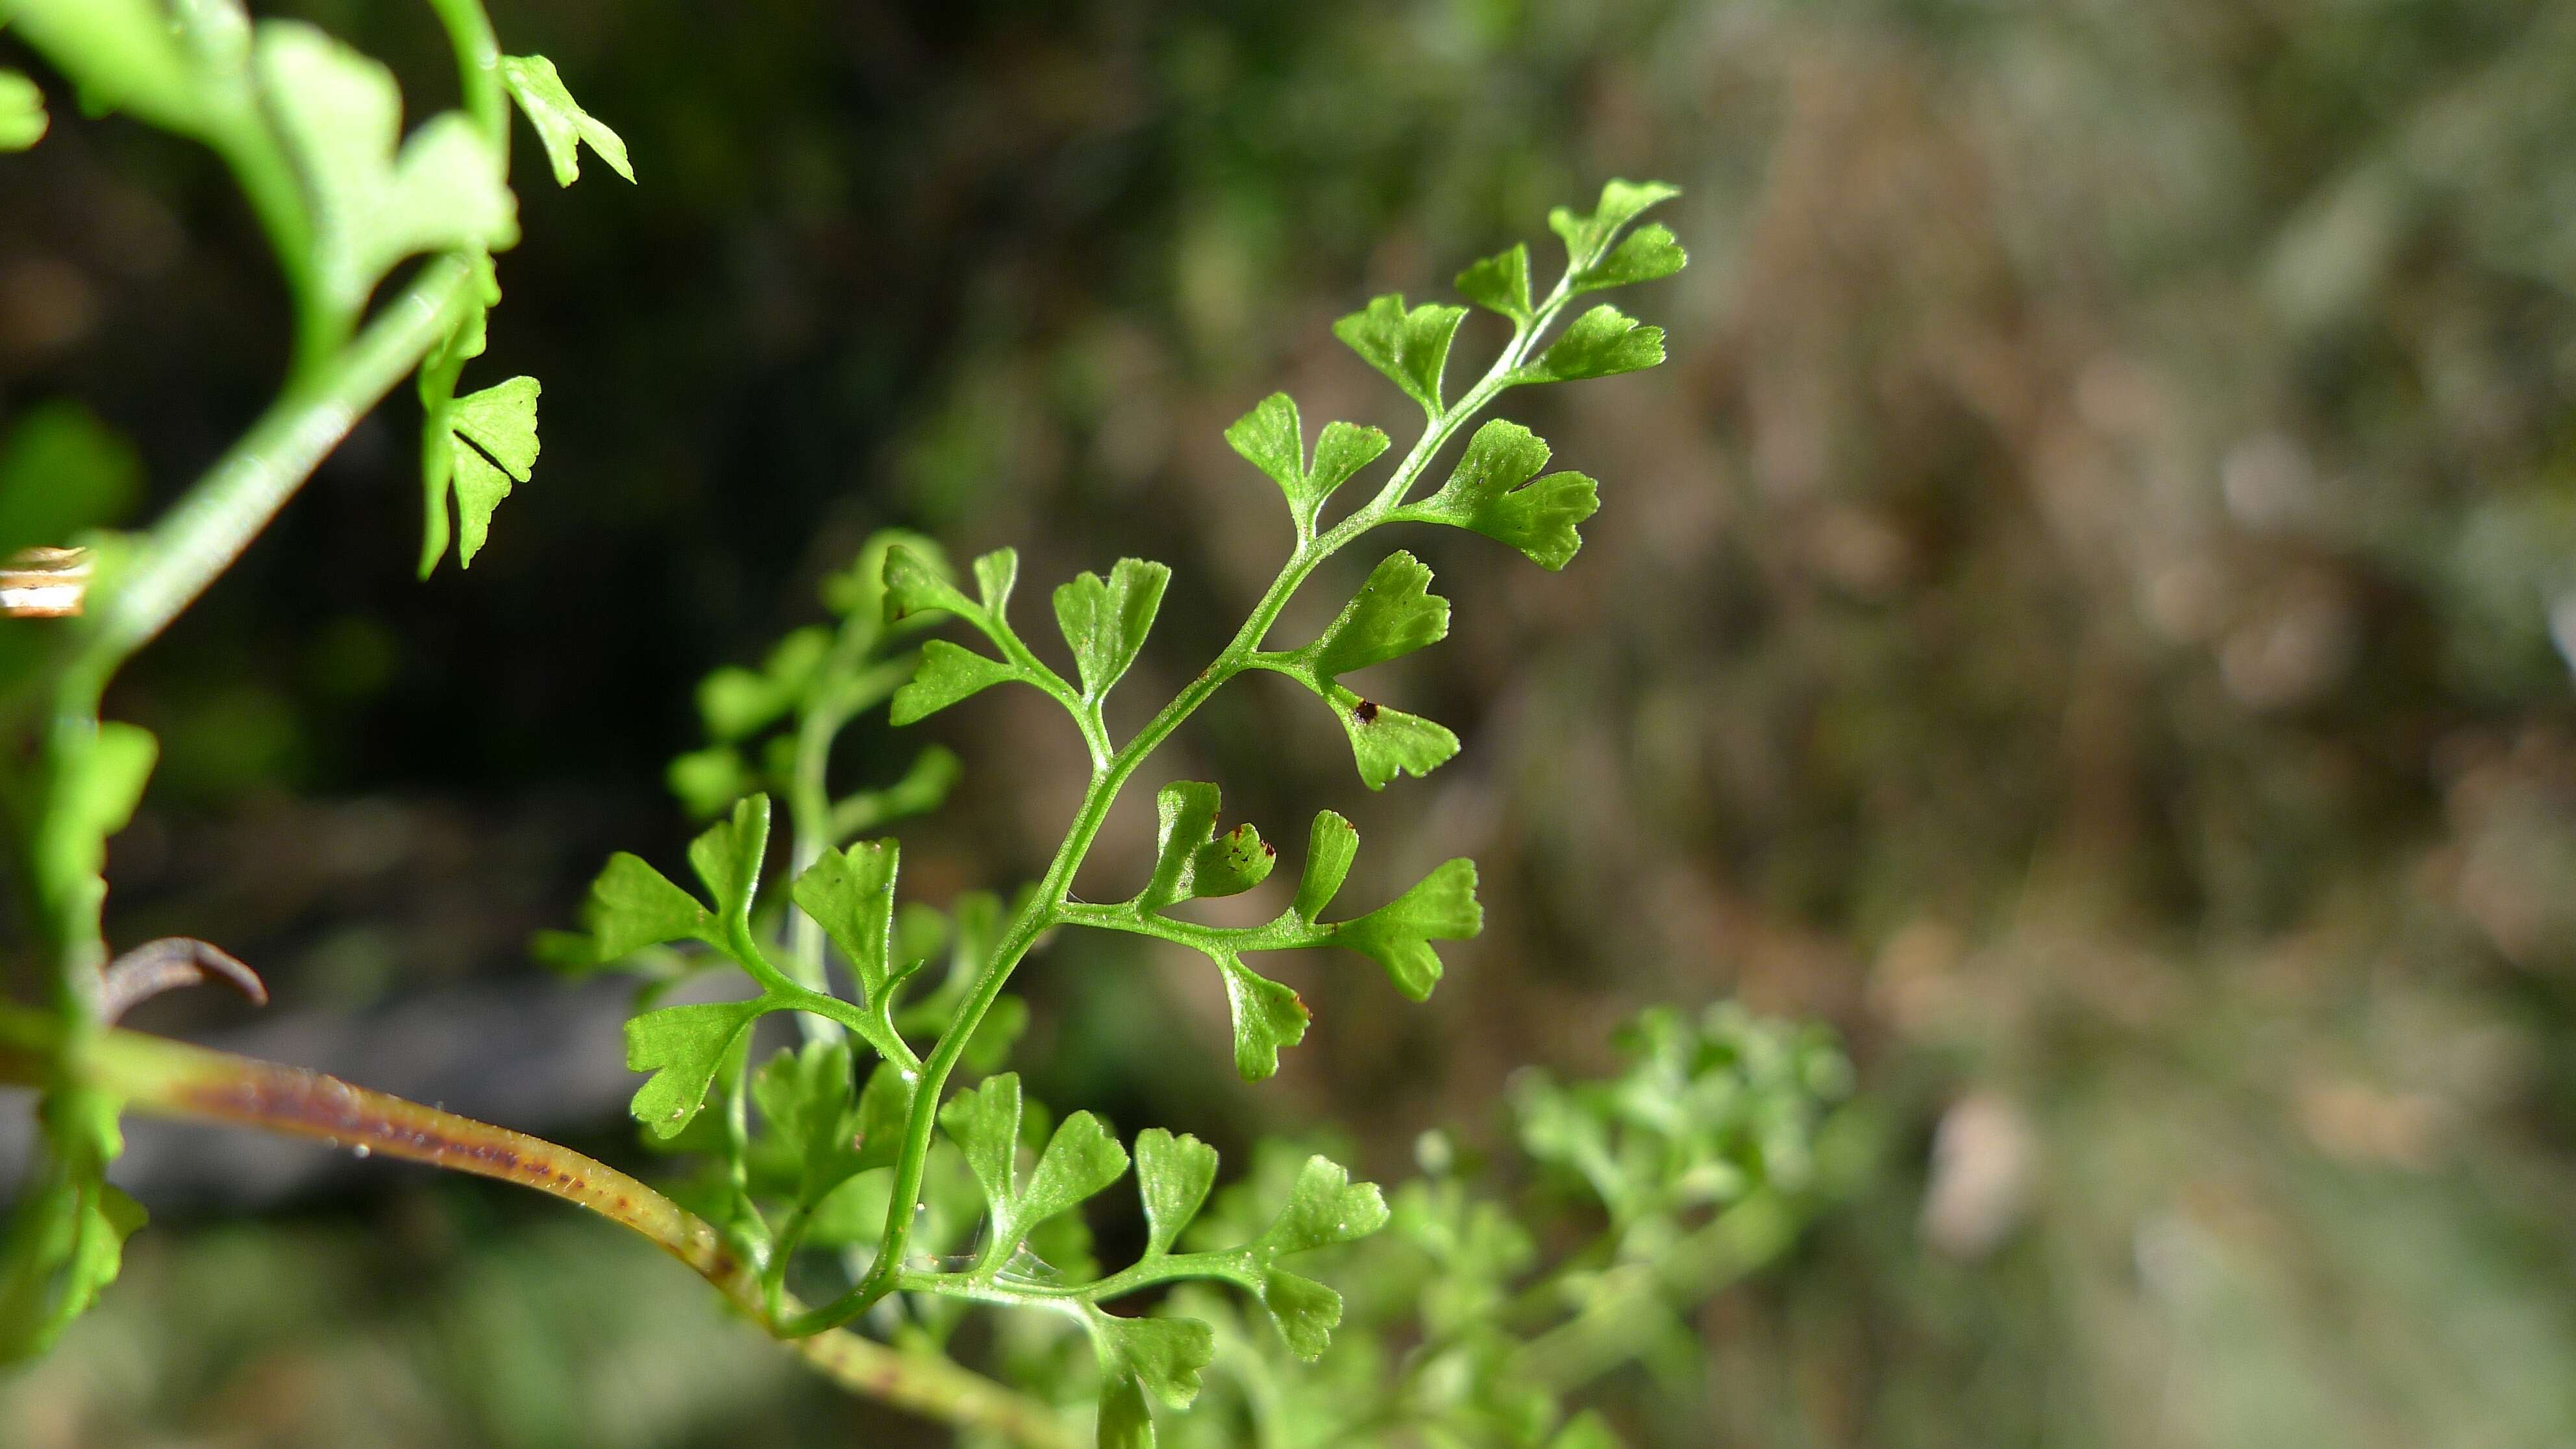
point(773, 1277)
point(276, 197)
point(820, 717)
point(1230, 1266)
point(201, 536)
point(478, 70)
point(841, 690)
point(1046, 906)
point(172, 1079)
point(196, 540)
point(1620, 1324)
point(1616, 1326)
point(1289, 932)
point(809, 816)
point(1033, 919)
point(782, 991)
point(1015, 652)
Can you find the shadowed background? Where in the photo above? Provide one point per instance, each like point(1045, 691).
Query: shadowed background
point(2089, 608)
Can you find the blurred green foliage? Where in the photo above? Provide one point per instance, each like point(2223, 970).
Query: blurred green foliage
point(62, 473)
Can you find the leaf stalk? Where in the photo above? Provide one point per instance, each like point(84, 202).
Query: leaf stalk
point(172, 1079)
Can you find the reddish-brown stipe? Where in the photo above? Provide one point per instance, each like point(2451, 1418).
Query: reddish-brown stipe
point(252, 1093)
point(173, 1079)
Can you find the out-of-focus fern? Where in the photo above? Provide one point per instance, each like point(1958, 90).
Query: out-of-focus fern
point(312, 131)
point(1691, 1168)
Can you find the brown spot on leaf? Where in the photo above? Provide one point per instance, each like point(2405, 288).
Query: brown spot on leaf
point(1366, 711)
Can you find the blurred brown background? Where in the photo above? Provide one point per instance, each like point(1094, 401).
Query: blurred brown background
point(2089, 609)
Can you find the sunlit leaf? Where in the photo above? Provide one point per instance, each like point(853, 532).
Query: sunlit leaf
point(995, 573)
point(340, 113)
point(1324, 1208)
point(1173, 1174)
point(490, 438)
point(1306, 1311)
point(1500, 283)
point(1602, 342)
point(560, 122)
point(1388, 742)
point(1080, 1159)
point(442, 451)
point(1106, 620)
point(860, 588)
point(917, 581)
point(682, 1046)
point(98, 780)
point(1341, 450)
point(1492, 493)
point(1266, 1016)
point(1331, 846)
point(1398, 935)
point(1190, 859)
point(1164, 1354)
point(1125, 1422)
point(1647, 254)
point(947, 673)
point(1186, 817)
point(984, 1122)
point(850, 893)
point(633, 906)
point(727, 856)
point(1271, 438)
point(1588, 236)
point(1410, 347)
point(1231, 863)
point(1393, 614)
point(124, 55)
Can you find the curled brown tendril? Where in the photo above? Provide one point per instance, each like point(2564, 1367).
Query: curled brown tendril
point(166, 965)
